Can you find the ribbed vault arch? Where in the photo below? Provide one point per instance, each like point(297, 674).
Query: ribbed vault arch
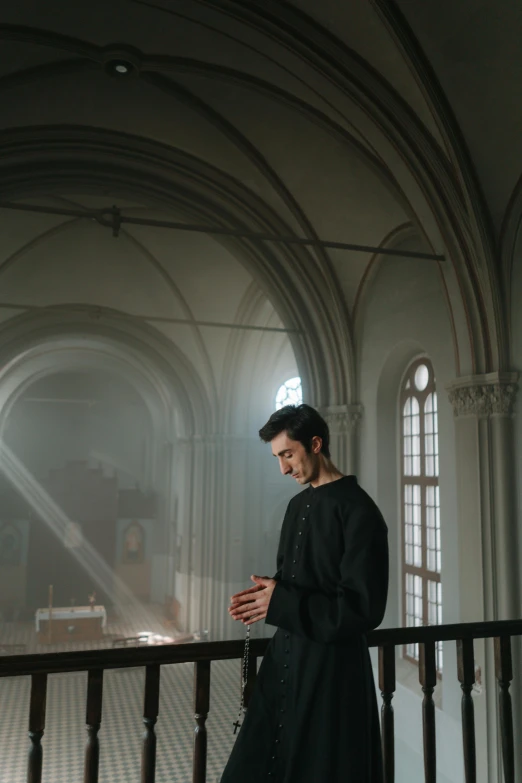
point(303, 293)
point(39, 343)
point(433, 184)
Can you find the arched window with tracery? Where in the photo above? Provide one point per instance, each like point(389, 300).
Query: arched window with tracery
point(289, 393)
point(421, 543)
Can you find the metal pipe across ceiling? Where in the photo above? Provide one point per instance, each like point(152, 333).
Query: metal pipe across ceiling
point(113, 218)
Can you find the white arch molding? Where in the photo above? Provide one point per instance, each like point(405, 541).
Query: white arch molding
point(304, 294)
point(44, 343)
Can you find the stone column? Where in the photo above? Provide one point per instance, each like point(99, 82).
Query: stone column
point(483, 408)
point(219, 522)
point(342, 421)
point(189, 470)
point(167, 518)
point(489, 581)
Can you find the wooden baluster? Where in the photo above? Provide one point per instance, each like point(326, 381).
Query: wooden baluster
point(466, 675)
point(387, 688)
point(201, 707)
point(93, 720)
point(36, 726)
point(504, 674)
point(428, 680)
point(150, 716)
point(250, 680)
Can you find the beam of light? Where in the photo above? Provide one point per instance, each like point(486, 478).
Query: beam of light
point(58, 522)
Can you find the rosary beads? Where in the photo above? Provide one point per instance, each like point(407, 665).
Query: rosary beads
point(244, 676)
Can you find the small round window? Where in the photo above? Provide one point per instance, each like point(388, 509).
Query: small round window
point(289, 393)
point(422, 377)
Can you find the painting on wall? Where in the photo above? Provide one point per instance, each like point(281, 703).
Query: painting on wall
point(134, 544)
point(10, 546)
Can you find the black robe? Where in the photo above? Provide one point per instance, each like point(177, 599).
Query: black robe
point(313, 715)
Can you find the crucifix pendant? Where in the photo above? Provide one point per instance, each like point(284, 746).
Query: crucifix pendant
point(237, 726)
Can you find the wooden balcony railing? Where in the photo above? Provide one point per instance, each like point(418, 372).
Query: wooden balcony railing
point(95, 662)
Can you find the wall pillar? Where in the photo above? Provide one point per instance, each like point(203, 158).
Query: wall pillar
point(219, 521)
point(483, 408)
point(342, 421)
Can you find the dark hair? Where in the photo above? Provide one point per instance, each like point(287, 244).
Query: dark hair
point(300, 422)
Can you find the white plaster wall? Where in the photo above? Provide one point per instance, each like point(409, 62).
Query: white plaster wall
point(161, 566)
point(230, 511)
point(46, 436)
point(405, 316)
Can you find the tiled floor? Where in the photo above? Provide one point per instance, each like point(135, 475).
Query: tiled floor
point(122, 730)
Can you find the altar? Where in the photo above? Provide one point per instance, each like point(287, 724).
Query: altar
point(70, 624)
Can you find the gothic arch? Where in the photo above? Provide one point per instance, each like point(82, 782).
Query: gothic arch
point(448, 194)
point(41, 343)
point(510, 246)
point(429, 170)
point(303, 293)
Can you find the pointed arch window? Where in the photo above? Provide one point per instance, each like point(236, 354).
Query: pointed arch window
point(421, 542)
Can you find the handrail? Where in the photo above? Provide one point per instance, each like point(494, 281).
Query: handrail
point(120, 658)
point(444, 633)
point(97, 661)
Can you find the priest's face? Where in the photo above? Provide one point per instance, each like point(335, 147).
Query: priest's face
point(294, 460)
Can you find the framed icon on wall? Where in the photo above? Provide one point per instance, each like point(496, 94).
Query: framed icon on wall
point(134, 543)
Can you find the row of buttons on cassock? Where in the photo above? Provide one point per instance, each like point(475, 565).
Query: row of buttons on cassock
point(280, 726)
point(298, 546)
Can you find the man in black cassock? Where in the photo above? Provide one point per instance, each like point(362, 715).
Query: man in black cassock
point(313, 716)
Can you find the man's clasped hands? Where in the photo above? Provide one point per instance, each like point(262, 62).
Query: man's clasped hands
point(251, 605)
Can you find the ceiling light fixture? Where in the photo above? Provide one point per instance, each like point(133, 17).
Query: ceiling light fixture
point(121, 62)
point(120, 68)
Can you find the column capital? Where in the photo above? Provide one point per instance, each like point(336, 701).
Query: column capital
point(492, 394)
point(342, 418)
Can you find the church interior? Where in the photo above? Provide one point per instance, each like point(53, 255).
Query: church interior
point(210, 209)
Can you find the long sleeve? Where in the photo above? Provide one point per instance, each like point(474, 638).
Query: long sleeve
point(358, 604)
point(281, 551)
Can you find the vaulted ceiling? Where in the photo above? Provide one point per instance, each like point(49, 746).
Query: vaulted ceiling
point(359, 122)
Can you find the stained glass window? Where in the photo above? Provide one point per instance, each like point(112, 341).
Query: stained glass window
point(421, 547)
